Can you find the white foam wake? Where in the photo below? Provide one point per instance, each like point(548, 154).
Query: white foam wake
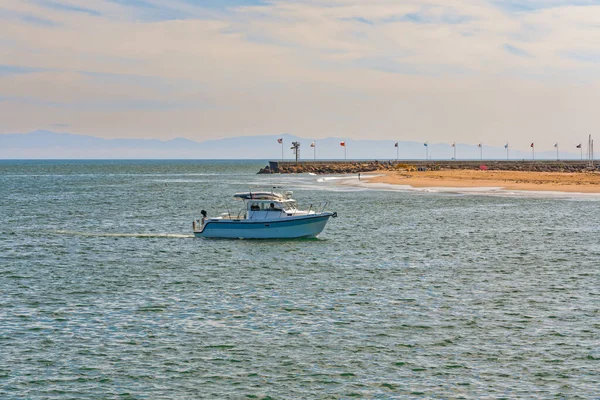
point(136, 235)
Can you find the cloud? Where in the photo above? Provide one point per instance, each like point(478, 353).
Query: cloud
point(516, 51)
point(467, 69)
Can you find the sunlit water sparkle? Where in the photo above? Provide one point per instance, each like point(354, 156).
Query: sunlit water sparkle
point(104, 291)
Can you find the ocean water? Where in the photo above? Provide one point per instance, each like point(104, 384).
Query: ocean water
point(104, 292)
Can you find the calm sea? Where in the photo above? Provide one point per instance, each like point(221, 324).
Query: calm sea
point(104, 292)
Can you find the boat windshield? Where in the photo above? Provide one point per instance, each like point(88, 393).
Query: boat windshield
point(264, 206)
point(289, 205)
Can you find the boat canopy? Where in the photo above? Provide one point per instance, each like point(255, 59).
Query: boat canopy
point(260, 196)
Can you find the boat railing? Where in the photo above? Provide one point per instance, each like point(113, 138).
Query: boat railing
point(319, 208)
point(228, 215)
point(324, 206)
point(316, 208)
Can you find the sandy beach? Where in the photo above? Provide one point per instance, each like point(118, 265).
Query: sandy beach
point(508, 180)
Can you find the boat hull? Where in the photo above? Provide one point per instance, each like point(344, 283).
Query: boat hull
point(288, 228)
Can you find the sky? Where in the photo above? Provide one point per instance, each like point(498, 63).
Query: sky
point(423, 70)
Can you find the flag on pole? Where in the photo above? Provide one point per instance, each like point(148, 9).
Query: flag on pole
point(312, 144)
point(396, 144)
point(343, 144)
point(579, 146)
point(556, 144)
point(506, 145)
point(453, 144)
point(479, 145)
point(425, 144)
point(532, 145)
point(280, 141)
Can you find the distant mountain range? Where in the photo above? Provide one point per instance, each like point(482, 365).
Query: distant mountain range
point(43, 144)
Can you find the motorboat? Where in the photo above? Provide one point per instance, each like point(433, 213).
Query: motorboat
point(265, 215)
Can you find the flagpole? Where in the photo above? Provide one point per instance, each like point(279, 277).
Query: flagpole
point(557, 151)
point(397, 151)
point(454, 151)
point(315, 151)
point(481, 150)
point(282, 150)
point(590, 150)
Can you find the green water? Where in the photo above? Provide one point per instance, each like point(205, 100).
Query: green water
point(104, 292)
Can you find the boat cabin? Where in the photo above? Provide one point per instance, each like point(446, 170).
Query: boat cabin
point(270, 208)
point(270, 205)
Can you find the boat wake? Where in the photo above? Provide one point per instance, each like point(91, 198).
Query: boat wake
point(130, 235)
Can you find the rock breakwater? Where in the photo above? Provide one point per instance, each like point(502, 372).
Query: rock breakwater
point(353, 167)
point(325, 168)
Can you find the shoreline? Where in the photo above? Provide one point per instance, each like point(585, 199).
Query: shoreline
point(568, 182)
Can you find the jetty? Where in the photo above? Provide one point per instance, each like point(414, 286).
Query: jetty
point(356, 166)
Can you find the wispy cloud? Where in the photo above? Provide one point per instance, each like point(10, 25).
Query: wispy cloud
point(460, 68)
point(17, 69)
point(583, 56)
point(516, 51)
point(65, 6)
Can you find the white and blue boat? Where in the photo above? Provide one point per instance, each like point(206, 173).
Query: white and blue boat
point(266, 215)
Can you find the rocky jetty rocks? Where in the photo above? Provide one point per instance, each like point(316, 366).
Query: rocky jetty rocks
point(354, 167)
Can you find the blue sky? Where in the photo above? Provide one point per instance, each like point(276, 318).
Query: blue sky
point(453, 70)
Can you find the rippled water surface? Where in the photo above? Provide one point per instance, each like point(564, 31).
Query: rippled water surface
point(104, 292)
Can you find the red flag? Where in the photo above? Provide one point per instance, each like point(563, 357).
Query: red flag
point(532, 145)
point(343, 144)
point(280, 141)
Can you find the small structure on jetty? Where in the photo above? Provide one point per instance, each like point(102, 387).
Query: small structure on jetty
point(353, 167)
